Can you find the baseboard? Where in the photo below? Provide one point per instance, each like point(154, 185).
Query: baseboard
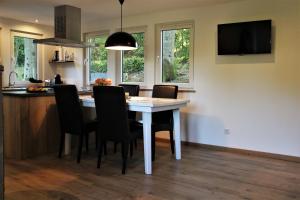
point(238, 151)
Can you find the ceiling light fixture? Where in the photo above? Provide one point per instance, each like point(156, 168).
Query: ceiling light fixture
point(121, 40)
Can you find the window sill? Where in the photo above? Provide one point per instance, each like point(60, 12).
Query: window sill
point(183, 90)
point(145, 89)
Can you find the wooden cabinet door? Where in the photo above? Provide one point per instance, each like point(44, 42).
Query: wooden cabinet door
point(1, 140)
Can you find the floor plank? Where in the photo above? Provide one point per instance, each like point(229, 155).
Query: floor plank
point(201, 174)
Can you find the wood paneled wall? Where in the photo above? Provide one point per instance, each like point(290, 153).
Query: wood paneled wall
point(31, 126)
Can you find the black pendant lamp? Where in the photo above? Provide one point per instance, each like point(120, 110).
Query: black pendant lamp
point(121, 40)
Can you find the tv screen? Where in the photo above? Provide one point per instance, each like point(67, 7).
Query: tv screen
point(244, 38)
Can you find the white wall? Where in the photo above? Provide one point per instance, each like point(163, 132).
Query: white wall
point(71, 73)
point(256, 97)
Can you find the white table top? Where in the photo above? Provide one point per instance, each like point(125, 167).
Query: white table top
point(144, 104)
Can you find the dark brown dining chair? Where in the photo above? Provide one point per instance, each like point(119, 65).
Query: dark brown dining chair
point(163, 121)
point(71, 117)
point(112, 115)
point(133, 90)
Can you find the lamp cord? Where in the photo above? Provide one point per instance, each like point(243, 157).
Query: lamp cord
point(121, 2)
point(121, 17)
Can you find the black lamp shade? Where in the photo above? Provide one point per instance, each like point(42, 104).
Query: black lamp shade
point(121, 41)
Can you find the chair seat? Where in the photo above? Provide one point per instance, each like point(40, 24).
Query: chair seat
point(91, 125)
point(135, 125)
point(134, 134)
point(161, 127)
point(155, 127)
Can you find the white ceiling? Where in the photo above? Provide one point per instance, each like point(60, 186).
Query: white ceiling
point(29, 10)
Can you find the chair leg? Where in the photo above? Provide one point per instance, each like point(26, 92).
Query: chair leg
point(115, 147)
point(105, 148)
point(131, 149)
point(87, 142)
point(100, 149)
point(135, 143)
point(124, 156)
point(79, 148)
point(96, 139)
point(153, 146)
point(172, 141)
point(61, 144)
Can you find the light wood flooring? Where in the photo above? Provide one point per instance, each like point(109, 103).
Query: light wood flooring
point(201, 174)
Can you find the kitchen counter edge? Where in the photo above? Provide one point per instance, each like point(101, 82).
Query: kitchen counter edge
point(37, 94)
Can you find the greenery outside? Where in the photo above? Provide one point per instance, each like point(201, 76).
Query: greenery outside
point(25, 55)
point(133, 61)
point(98, 58)
point(176, 55)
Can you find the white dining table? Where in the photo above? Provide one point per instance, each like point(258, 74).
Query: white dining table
point(148, 105)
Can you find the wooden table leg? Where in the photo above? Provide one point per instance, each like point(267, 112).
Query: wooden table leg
point(176, 118)
point(147, 120)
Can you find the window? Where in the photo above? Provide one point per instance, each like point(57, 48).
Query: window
point(97, 57)
point(175, 53)
point(24, 58)
point(133, 61)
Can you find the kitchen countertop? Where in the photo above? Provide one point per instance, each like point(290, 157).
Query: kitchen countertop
point(39, 94)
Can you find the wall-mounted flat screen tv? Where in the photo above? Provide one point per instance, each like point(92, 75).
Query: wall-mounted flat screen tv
point(245, 38)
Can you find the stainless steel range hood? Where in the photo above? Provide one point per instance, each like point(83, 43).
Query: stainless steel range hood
point(67, 25)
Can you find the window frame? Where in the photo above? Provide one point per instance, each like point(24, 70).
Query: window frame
point(29, 35)
point(119, 56)
point(158, 53)
point(87, 36)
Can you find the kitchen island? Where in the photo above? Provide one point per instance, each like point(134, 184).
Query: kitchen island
point(31, 124)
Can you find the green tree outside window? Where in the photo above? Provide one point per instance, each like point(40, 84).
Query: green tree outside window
point(133, 61)
point(98, 58)
point(176, 55)
point(25, 55)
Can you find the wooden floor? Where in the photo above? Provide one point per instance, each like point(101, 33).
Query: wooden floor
point(201, 174)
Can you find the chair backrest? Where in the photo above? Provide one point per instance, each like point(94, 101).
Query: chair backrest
point(164, 91)
point(69, 109)
point(111, 110)
point(133, 90)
